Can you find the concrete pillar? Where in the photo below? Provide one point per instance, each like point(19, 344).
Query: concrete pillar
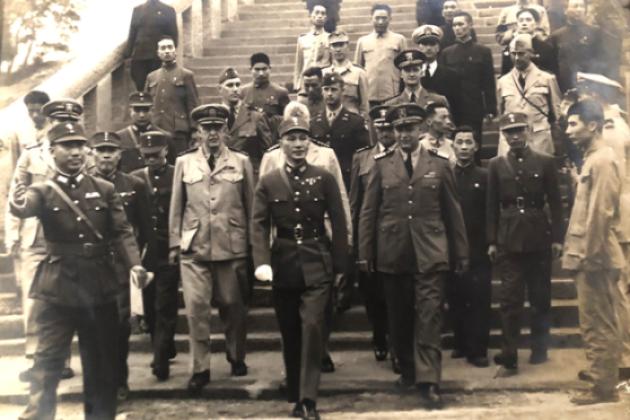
point(89, 110)
point(104, 104)
point(230, 10)
point(121, 88)
point(214, 21)
point(247, 2)
point(196, 27)
point(185, 44)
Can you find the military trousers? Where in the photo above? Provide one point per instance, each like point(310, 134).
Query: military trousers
point(25, 267)
point(622, 308)
point(469, 298)
point(371, 286)
point(224, 284)
point(598, 296)
point(300, 313)
point(520, 271)
point(97, 330)
point(165, 302)
point(414, 312)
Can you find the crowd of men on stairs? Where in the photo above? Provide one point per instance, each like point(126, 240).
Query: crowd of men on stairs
point(373, 177)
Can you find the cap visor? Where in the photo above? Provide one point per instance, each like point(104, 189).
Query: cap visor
point(105, 144)
point(212, 122)
point(408, 121)
point(74, 137)
point(152, 149)
point(292, 129)
point(513, 126)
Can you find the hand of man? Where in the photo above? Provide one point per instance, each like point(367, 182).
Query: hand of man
point(338, 278)
point(173, 256)
point(264, 273)
point(492, 253)
point(139, 276)
point(556, 250)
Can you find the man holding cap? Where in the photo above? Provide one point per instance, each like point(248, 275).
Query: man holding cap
point(82, 217)
point(410, 227)
point(522, 238)
point(106, 149)
point(410, 63)
point(141, 113)
point(302, 263)
point(208, 221)
point(435, 76)
point(355, 88)
point(160, 297)
point(371, 284)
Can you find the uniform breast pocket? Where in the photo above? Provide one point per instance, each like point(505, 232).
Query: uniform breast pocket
point(128, 198)
point(180, 87)
point(98, 211)
point(192, 180)
point(232, 177)
point(152, 87)
point(430, 185)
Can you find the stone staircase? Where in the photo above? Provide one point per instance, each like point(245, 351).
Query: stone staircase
point(273, 26)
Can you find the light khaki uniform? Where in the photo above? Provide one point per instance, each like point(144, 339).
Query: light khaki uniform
point(312, 51)
point(208, 221)
point(355, 87)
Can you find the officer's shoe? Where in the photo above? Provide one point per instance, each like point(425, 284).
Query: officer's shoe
point(161, 372)
point(480, 361)
point(594, 396)
point(538, 357)
point(431, 398)
point(26, 375)
point(298, 411)
point(404, 384)
point(239, 369)
point(122, 393)
point(198, 381)
point(502, 360)
point(310, 410)
point(585, 375)
point(380, 353)
point(327, 364)
point(395, 365)
point(67, 373)
point(458, 354)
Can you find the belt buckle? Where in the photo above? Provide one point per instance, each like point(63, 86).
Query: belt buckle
point(298, 233)
point(88, 249)
point(520, 203)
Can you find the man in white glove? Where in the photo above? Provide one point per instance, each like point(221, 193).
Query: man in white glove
point(294, 198)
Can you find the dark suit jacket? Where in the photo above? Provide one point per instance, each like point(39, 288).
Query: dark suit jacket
point(446, 83)
point(345, 136)
point(362, 165)
point(149, 22)
point(472, 184)
point(415, 224)
point(474, 66)
point(534, 178)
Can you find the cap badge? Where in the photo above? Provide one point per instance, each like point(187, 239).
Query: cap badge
point(512, 118)
point(69, 107)
point(428, 31)
point(402, 113)
point(383, 112)
point(409, 56)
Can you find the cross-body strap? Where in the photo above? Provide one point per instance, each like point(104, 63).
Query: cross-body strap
point(74, 208)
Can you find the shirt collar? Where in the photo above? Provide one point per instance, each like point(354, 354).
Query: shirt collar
point(383, 35)
point(295, 170)
point(345, 66)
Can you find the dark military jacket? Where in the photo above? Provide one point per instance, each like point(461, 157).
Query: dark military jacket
point(131, 158)
point(472, 184)
point(149, 22)
point(270, 98)
point(362, 164)
point(475, 69)
point(159, 185)
point(285, 200)
point(410, 225)
point(134, 195)
point(174, 95)
point(251, 133)
point(72, 277)
point(345, 135)
point(518, 190)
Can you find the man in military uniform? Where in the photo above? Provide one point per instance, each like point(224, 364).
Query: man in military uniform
point(593, 253)
point(355, 82)
point(174, 94)
point(149, 22)
point(82, 216)
point(302, 262)
point(410, 64)
point(263, 94)
point(469, 293)
point(161, 296)
point(371, 284)
point(411, 230)
point(249, 129)
point(141, 113)
point(312, 46)
point(312, 87)
point(532, 91)
point(133, 192)
point(208, 221)
point(24, 237)
point(439, 126)
point(522, 239)
point(337, 127)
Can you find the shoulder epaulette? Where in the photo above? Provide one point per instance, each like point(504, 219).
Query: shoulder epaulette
point(32, 146)
point(238, 151)
point(320, 143)
point(272, 148)
point(384, 154)
point(359, 66)
point(436, 152)
point(363, 149)
point(192, 149)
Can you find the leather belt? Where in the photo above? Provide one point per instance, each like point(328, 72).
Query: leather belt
point(87, 249)
point(522, 203)
point(299, 233)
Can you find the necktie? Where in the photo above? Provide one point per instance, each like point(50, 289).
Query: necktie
point(409, 165)
point(413, 97)
point(521, 80)
point(211, 162)
point(232, 116)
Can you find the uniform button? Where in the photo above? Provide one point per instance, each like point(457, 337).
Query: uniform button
point(214, 212)
point(410, 217)
point(520, 159)
point(520, 172)
point(410, 202)
point(81, 236)
point(213, 198)
point(78, 219)
point(76, 201)
point(297, 209)
point(410, 187)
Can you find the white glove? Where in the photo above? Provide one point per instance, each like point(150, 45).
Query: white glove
point(264, 273)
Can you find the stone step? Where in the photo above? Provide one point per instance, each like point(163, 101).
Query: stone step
point(339, 341)
point(294, 3)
